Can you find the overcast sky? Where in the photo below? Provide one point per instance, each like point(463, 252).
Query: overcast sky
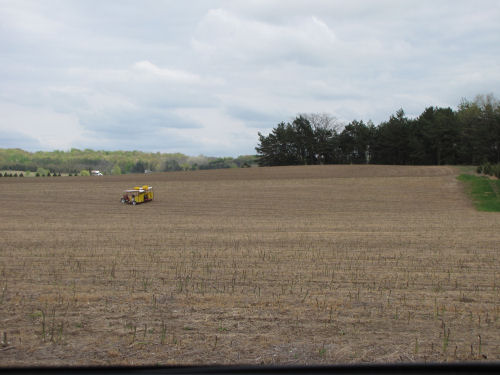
point(203, 77)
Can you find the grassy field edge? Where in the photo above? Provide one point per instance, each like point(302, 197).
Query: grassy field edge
point(484, 191)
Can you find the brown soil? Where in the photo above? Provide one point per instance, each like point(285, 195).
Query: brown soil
point(292, 265)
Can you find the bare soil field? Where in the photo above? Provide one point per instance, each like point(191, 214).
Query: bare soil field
point(283, 265)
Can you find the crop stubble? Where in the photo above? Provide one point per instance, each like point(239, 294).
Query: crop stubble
point(322, 264)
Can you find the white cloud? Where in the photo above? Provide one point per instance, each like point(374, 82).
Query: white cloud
point(206, 76)
point(225, 36)
point(218, 131)
point(167, 74)
point(52, 130)
point(31, 22)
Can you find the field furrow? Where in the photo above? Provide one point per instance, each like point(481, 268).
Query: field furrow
point(320, 264)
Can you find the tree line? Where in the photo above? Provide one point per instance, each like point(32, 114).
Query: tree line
point(469, 135)
point(76, 161)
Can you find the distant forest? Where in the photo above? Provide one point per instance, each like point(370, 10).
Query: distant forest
point(78, 161)
point(470, 135)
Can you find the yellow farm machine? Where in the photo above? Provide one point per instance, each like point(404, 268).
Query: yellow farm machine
point(138, 194)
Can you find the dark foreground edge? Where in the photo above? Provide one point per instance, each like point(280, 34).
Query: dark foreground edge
point(461, 368)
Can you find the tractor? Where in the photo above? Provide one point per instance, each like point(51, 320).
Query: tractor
point(138, 195)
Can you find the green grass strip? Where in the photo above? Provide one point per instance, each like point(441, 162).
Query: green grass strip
point(484, 192)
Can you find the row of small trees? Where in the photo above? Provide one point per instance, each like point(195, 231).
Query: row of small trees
point(489, 169)
point(37, 174)
point(469, 135)
point(10, 174)
point(41, 172)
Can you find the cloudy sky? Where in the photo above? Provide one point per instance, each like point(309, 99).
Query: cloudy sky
point(203, 77)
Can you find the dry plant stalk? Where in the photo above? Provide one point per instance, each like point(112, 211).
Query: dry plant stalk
point(323, 264)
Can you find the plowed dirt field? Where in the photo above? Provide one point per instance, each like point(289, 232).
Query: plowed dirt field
point(288, 265)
